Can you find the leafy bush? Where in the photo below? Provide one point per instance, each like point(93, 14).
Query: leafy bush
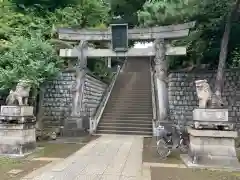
point(31, 59)
point(235, 58)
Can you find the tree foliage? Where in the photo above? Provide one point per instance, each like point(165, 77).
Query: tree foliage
point(28, 58)
point(203, 43)
point(27, 33)
point(127, 10)
point(36, 21)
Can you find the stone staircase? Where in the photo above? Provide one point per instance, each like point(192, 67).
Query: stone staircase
point(129, 108)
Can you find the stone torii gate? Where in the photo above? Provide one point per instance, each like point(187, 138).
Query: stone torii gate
point(159, 34)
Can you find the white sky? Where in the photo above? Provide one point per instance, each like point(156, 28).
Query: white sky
point(143, 45)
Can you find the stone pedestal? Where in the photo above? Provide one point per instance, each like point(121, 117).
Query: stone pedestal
point(212, 149)
point(74, 126)
point(17, 130)
point(17, 139)
point(17, 114)
point(212, 119)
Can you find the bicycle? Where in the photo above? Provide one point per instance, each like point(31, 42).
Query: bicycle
point(168, 141)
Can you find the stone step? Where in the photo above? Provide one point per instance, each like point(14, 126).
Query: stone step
point(130, 97)
point(143, 110)
point(119, 116)
point(132, 104)
point(124, 128)
point(122, 112)
point(141, 86)
point(120, 96)
point(125, 91)
point(133, 101)
point(127, 95)
point(135, 88)
point(129, 109)
point(123, 120)
point(124, 124)
point(144, 133)
point(137, 109)
point(126, 118)
point(110, 114)
point(132, 92)
point(129, 105)
point(130, 100)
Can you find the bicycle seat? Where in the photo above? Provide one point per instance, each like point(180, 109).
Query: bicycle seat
point(169, 133)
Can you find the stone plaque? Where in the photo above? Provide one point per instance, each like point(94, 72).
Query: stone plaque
point(210, 115)
point(16, 111)
point(9, 110)
point(119, 37)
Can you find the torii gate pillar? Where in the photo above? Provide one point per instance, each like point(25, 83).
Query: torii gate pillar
point(161, 79)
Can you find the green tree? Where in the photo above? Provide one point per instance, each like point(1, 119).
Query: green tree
point(127, 10)
point(30, 19)
point(203, 41)
point(31, 59)
point(224, 51)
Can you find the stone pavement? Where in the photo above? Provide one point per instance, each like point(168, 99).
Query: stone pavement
point(110, 157)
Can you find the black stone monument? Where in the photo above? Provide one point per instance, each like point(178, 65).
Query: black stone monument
point(119, 37)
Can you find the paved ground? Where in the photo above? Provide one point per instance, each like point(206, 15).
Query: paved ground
point(109, 157)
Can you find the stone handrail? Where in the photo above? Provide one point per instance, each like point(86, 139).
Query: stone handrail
point(96, 118)
point(154, 99)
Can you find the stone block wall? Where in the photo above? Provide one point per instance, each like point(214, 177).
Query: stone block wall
point(57, 98)
point(183, 99)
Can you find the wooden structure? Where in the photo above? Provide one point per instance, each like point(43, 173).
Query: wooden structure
point(160, 35)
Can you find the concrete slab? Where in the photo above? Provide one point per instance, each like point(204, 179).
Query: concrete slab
point(46, 159)
point(110, 157)
point(147, 164)
point(213, 165)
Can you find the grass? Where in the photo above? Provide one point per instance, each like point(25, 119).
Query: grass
point(57, 149)
point(190, 174)
point(150, 155)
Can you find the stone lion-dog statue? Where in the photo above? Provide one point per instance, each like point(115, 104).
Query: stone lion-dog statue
point(20, 95)
point(204, 93)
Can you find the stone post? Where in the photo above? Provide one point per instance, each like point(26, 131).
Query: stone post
point(74, 123)
point(161, 80)
point(109, 59)
point(79, 83)
point(109, 62)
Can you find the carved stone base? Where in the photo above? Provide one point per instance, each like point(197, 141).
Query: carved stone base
point(17, 114)
point(212, 119)
point(212, 149)
point(75, 126)
point(210, 115)
point(17, 139)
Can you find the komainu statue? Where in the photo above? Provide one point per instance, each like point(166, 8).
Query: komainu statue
point(204, 93)
point(20, 95)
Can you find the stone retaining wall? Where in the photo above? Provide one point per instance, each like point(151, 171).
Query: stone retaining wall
point(57, 98)
point(183, 98)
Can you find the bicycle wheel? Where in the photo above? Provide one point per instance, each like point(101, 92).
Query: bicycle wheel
point(183, 146)
point(162, 149)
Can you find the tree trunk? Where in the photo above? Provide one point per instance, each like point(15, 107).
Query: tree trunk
point(223, 55)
